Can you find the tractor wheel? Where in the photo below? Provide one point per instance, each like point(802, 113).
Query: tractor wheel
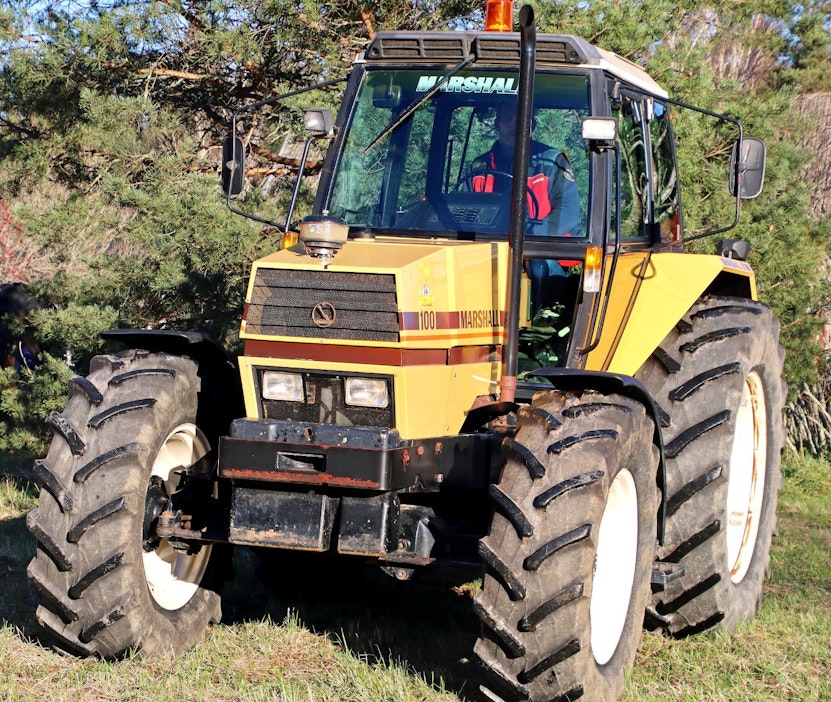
point(717, 379)
point(570, 551)
point(106, 581)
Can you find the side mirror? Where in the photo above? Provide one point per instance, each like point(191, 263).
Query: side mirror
point(747, 170)
point(233, 165)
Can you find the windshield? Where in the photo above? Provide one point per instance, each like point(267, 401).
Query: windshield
point(448, 167)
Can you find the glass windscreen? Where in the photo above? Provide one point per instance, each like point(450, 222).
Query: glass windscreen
point(448, 167)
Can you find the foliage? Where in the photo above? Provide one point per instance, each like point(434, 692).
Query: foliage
point(812, 45)
point(808, 419)
point(15, 252)
point(26, 400)
point(112, 114)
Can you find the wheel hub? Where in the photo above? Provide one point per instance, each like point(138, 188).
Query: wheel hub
point(172, 576)
point(746, 479)
point(155, 502)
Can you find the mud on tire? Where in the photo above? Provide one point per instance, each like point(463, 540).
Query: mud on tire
point(106, 583)
point(570, 550)
point(717, 380)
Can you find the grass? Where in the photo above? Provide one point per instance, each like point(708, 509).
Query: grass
point(294, 633)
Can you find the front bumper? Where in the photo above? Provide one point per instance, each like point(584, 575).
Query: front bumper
point(365, 458)
point(317, 487)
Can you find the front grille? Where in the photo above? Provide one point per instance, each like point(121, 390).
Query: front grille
point(366, 307)
point(326, 404)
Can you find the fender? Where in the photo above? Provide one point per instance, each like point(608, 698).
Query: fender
point(572, 379)
point(220, 398)
point(650, 292)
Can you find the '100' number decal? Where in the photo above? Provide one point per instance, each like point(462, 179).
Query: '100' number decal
point(426, 320)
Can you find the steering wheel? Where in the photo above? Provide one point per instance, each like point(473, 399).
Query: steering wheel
point(468, 178)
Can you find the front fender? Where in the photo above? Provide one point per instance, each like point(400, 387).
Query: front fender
point(220, 398)
point(650, 293)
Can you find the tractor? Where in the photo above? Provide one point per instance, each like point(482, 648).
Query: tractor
point(486, 346)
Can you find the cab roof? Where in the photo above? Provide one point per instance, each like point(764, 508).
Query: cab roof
point(503, 48)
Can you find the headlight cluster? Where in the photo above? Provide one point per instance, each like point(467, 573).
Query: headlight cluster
point(358, 392)
point(366, 392)
point(283, 386)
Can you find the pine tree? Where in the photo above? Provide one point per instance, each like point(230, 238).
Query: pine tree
point(112, 115)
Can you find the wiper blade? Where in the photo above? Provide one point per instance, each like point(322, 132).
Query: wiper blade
point(405, 114)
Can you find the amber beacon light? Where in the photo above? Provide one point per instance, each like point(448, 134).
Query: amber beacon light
point(499, 16)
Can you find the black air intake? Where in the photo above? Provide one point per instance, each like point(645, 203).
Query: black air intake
point(363, 306)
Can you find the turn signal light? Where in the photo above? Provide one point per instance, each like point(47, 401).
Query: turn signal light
point(591, 269)
point(289, 239)
point(499, 16)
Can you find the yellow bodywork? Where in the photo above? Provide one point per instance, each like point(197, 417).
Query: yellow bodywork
point(649, 294)
point(450, 296)
point(451, 307)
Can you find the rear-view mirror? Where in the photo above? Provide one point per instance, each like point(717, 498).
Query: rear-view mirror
point(747, 170)
point(386, 96)
point(233, 166)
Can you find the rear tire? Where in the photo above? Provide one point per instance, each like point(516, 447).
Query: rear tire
point(570, 550)
point(717, 379)
point(106, 582)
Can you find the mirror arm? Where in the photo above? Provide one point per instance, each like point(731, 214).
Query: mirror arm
point(296, 191)
point(738, 125)
point(261, 103)
point(228, 201)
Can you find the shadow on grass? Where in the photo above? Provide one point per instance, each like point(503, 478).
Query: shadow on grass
point(426, 625)
point(17, 548)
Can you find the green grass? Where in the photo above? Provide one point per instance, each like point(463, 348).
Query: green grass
point(294, 632)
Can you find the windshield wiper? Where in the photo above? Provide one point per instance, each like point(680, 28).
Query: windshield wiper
point(406, 112)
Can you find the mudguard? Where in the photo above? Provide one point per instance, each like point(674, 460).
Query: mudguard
point(220, 399)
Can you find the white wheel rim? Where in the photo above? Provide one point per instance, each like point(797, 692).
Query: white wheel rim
point(614, 568)
point(173, 577)
point(746, 478)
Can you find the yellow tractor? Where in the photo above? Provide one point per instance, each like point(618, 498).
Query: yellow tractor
point(486, 347)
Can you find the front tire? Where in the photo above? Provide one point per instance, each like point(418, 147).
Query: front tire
point(107, 583)
point(717, 378)
point(570, 550)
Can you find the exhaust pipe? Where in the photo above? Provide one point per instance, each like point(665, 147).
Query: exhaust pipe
point(516, 236)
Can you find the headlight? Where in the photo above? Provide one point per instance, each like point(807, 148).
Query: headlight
point(283, 386)
point(366, 392)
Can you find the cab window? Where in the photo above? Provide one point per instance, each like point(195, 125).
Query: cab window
point(447, 168)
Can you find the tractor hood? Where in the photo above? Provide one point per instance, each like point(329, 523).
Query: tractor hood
point(384, 291)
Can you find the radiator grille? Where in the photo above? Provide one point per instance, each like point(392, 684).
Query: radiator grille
point(365, 304)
